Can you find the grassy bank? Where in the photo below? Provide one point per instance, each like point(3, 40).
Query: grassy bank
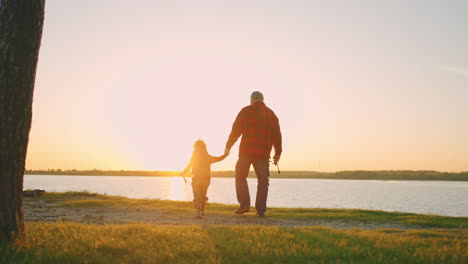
point(140, 243)
point(254, 242)
point(343, 175)
point(85, 199)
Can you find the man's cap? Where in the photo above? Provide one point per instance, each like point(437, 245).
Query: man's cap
point(256, 96)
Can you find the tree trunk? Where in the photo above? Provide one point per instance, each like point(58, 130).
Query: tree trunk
point(20, 37)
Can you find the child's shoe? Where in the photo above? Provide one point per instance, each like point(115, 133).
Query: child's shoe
point(199, 213)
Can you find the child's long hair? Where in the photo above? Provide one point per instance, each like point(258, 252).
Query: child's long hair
point(199, 150)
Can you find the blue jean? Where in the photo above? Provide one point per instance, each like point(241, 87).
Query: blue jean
point(262, 170)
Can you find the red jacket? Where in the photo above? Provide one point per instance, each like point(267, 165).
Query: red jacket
point(260, 131)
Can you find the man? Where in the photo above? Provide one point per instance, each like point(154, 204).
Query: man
point(260, 131)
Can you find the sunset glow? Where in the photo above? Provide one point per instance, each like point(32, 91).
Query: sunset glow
point(126, 86)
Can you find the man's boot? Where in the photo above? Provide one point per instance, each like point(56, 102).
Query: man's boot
point(241, 210)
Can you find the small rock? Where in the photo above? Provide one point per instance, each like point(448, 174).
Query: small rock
point(33, 193)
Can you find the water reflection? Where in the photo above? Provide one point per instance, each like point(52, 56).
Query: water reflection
point(177, 189)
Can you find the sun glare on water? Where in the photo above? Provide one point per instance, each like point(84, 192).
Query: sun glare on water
point(179, 189)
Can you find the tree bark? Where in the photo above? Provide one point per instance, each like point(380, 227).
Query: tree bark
point(21, 24)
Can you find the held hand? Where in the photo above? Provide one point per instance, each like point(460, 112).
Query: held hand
point(276, 159)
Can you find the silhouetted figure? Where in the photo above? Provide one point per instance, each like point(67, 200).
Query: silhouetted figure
point(200, 163)
point(260, 131)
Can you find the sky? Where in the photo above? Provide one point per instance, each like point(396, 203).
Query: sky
point(356, 85)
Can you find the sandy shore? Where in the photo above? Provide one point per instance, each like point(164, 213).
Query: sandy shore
point(36, 209)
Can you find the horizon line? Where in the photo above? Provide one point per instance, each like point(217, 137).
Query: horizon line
point(177, 171)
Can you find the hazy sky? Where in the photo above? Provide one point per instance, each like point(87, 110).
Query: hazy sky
point(356, 84)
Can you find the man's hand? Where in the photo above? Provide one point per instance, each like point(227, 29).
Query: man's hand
point(276, 159)
point(227, 152)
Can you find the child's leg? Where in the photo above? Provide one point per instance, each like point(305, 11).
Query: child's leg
point(197, 193)
point(197, 196)
point(204, 189)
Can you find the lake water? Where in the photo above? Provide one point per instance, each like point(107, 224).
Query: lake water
point(424, 197)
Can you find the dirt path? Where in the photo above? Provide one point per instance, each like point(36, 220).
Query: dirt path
point(39, 210)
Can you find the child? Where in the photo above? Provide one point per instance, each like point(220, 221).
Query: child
point(200, 163)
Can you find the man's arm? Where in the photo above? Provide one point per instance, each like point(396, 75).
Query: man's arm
point(277, 140)
point(236, 131)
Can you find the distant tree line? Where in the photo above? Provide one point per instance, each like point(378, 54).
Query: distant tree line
point(344, 175)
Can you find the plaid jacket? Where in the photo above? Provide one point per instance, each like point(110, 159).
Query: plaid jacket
point(260, 131)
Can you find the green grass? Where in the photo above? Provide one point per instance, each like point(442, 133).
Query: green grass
point(86, 199)
point(140, 243)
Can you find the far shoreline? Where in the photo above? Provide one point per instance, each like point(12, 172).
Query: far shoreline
point(341, 175)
